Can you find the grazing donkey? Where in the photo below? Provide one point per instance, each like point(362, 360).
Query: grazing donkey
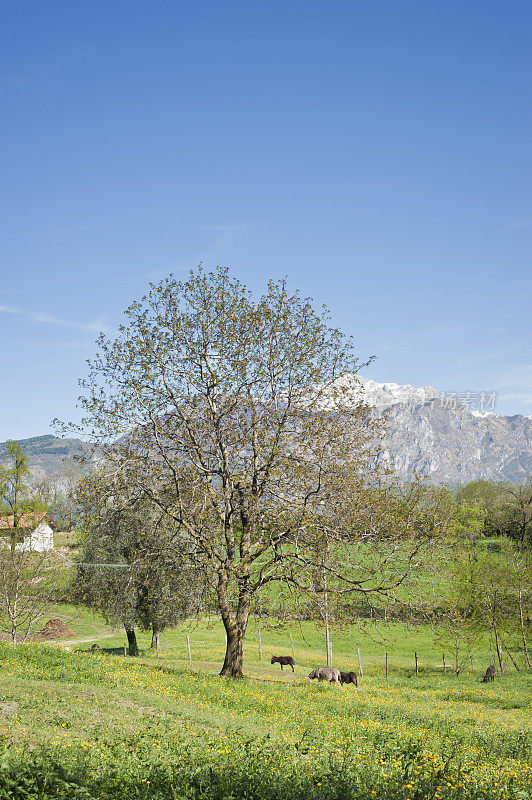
point(348, 677)
point(330, 674)
point(283, 661)
point(95, 648)
point(490, 674)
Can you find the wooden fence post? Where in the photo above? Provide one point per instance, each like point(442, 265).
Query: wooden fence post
point(417, 670)
point(360, 662)
point(125, 648)
point(444, 665)
point(386, 664)
point(260, 647)
point(188, 645)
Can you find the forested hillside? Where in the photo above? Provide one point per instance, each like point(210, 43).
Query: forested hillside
point(47, 454)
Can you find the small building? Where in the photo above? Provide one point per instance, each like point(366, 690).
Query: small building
point(35, 531)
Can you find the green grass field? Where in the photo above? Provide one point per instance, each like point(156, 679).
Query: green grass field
point(106, 726)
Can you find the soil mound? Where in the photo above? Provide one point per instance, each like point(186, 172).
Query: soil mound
point(55, 629)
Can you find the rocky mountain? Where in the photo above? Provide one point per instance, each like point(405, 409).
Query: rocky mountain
point(448, 439)
point(454, 446)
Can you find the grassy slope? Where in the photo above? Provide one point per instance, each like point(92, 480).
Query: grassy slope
point(122, 722)
point(432, 701)
point(93, 707)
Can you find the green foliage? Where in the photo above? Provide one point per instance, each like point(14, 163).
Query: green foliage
point(508, 508)
point(134, 564)
point(255, 769)
point(480, 491)
point(40, 777)
point(15, 498)
point(469, 519)
point(495, 594)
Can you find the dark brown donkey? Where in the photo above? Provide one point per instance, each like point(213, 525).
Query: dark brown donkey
point(283, 661)
point(490, 674)
point(348, 677)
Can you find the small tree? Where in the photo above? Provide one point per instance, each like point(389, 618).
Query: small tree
point(453, 626)
point(28, 587)
point(519, 582)
point(234, 417)
point(496, 590)
point(468, 520)
point(16, 501)
point(479, 491)
point(508, 508)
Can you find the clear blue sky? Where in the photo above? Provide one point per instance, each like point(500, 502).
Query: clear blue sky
point(377, 153)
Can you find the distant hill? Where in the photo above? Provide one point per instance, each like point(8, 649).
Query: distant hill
point(46, 454)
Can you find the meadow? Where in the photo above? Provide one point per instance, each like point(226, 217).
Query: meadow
point(75, 724)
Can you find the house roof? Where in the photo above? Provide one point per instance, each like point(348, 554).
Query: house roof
point(30, 520)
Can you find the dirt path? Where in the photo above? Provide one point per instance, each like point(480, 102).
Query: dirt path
point(84, 640)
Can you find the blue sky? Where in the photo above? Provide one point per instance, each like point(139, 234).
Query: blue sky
point(377, 154)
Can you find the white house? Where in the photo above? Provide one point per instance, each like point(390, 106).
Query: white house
point(35, 531)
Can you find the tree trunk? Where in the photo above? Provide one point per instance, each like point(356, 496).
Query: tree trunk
point(523, 632)
point(234, 654)
point(235, 627)
point(154, 634)
point(498, 648)
point(511, 657)
point(132, 646)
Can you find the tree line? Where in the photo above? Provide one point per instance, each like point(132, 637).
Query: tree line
point(506, 508)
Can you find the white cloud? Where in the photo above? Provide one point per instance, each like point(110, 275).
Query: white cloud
point(49, 319)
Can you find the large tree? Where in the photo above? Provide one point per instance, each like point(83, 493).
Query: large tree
point(134, 567)
point(230, 414)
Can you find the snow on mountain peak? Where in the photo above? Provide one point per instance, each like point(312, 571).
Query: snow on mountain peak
point(349, 389)
point(382, 395)
point(355, 388)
